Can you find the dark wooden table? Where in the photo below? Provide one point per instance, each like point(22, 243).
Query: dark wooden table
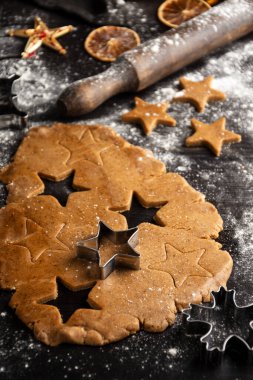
point(226, 181)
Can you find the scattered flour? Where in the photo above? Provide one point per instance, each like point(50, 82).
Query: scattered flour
point(172, 351)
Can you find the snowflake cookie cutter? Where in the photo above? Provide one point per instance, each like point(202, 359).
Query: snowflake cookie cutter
point(89, 249)
point(10, 115)
point(211, 321)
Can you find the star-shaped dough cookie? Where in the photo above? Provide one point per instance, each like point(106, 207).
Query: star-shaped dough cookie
point(149, 115)
point(176, 260)
point(198, 93)
point(41, 34)
point(212, 135)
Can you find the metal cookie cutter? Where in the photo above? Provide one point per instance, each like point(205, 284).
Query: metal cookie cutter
point(224, 324)
point(10, 115)
point(89, 249)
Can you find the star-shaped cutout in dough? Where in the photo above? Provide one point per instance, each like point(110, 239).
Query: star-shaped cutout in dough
point(59, 189)
point(212, 135)
point(149, 115)
point(68, 301)
point(180, 265)
point(198, 93)
point(139, 214)
point(39, 35)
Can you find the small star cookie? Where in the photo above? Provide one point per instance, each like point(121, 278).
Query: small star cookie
point(149, 115)
point(212, 135)
point(198, 93)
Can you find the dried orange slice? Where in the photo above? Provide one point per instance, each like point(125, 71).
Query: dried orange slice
point(108, 42)
point(175, 12)
point(212, 2)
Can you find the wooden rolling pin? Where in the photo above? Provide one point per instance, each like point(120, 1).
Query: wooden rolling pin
point(151, 61)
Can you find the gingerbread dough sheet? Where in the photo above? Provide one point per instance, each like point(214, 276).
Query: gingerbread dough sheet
point(180, 260)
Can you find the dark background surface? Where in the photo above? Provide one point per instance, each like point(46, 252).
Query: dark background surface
point(227, 182)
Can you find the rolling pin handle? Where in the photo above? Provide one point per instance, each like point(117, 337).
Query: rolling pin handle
point(87, 94)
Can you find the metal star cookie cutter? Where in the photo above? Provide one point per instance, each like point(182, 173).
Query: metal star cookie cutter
point(223, 315)
point(10, 115)
point(89, 249)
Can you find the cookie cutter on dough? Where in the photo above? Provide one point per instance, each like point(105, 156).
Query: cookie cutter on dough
point(10, 115)
point(89, 249)
point(237, 320)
